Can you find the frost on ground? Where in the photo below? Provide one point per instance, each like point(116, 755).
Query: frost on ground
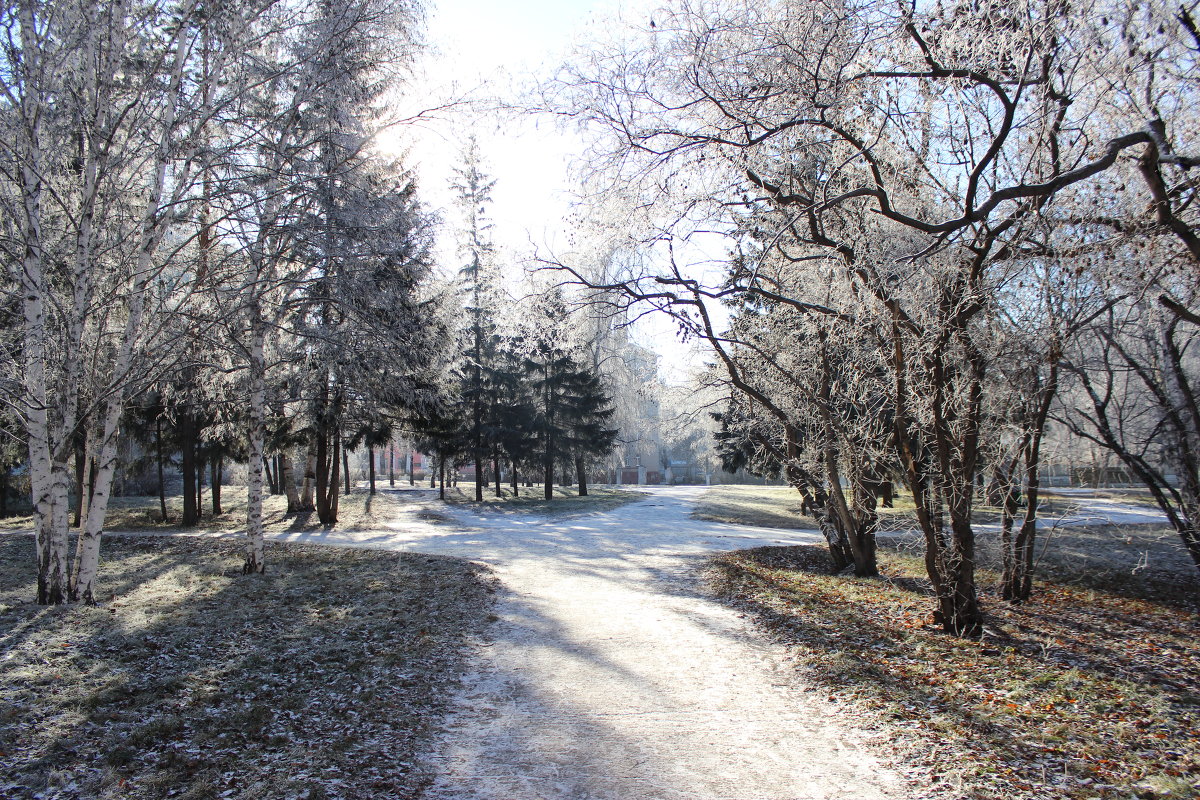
point(317, 680)
point(611, 674)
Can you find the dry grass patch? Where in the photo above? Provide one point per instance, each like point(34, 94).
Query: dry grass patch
point(1092, 690)
point(532, 500)
point(318, 679)
point(356, 511)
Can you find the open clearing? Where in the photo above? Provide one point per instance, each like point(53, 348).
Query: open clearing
point(319, 679)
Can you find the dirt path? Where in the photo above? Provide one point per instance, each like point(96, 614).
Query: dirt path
point(610, 675)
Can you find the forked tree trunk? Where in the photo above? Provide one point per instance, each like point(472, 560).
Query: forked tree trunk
point(271, 476)
point(328, 475)
point(948, 470)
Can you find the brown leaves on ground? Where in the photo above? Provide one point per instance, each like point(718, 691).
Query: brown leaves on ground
point(1084, 692)
point(318, 679)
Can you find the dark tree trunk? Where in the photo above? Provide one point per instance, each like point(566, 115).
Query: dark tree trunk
point(334, 483)
point(581, 476)
point(200, 464)
point(442, 472)
point(346, 467)
point(391, 465)
point(217, 469)
point(271, 476)
point(322, 478)
point(1004, 494)
point(942, 469)
point(371, 468)
point(496, 472)
point(1018, 568)
point(187, 442)
point(548, 472)
point(80, 468)
point(412, 468)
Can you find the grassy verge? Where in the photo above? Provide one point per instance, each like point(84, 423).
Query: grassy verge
point(1092, 690)
point(532, 500)
point(356, 511)
point(779, 507)
point(316, 680)
point(761, 506)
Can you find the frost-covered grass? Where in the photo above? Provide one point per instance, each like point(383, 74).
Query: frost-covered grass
point(1091, 690)
point(531, 500)
point(316, 680)
point(779, 507)
point(761, 506)
point(356, 511)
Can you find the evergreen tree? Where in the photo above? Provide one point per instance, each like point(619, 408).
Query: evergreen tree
point(572, 407)
point(473, 188)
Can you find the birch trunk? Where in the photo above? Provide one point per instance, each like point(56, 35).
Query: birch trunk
point(287, 480)
point(51, 538)
point(310, 480)
point(153, 229)
point(255, 549)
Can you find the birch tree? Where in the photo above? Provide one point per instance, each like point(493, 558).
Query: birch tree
point(101, 169)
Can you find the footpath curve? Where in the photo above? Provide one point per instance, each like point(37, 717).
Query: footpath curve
point(610, 675)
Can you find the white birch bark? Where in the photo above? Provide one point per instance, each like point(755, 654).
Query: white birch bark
point(47, 488)
point(287, 479)
point(154, 228)
point(255, 549)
